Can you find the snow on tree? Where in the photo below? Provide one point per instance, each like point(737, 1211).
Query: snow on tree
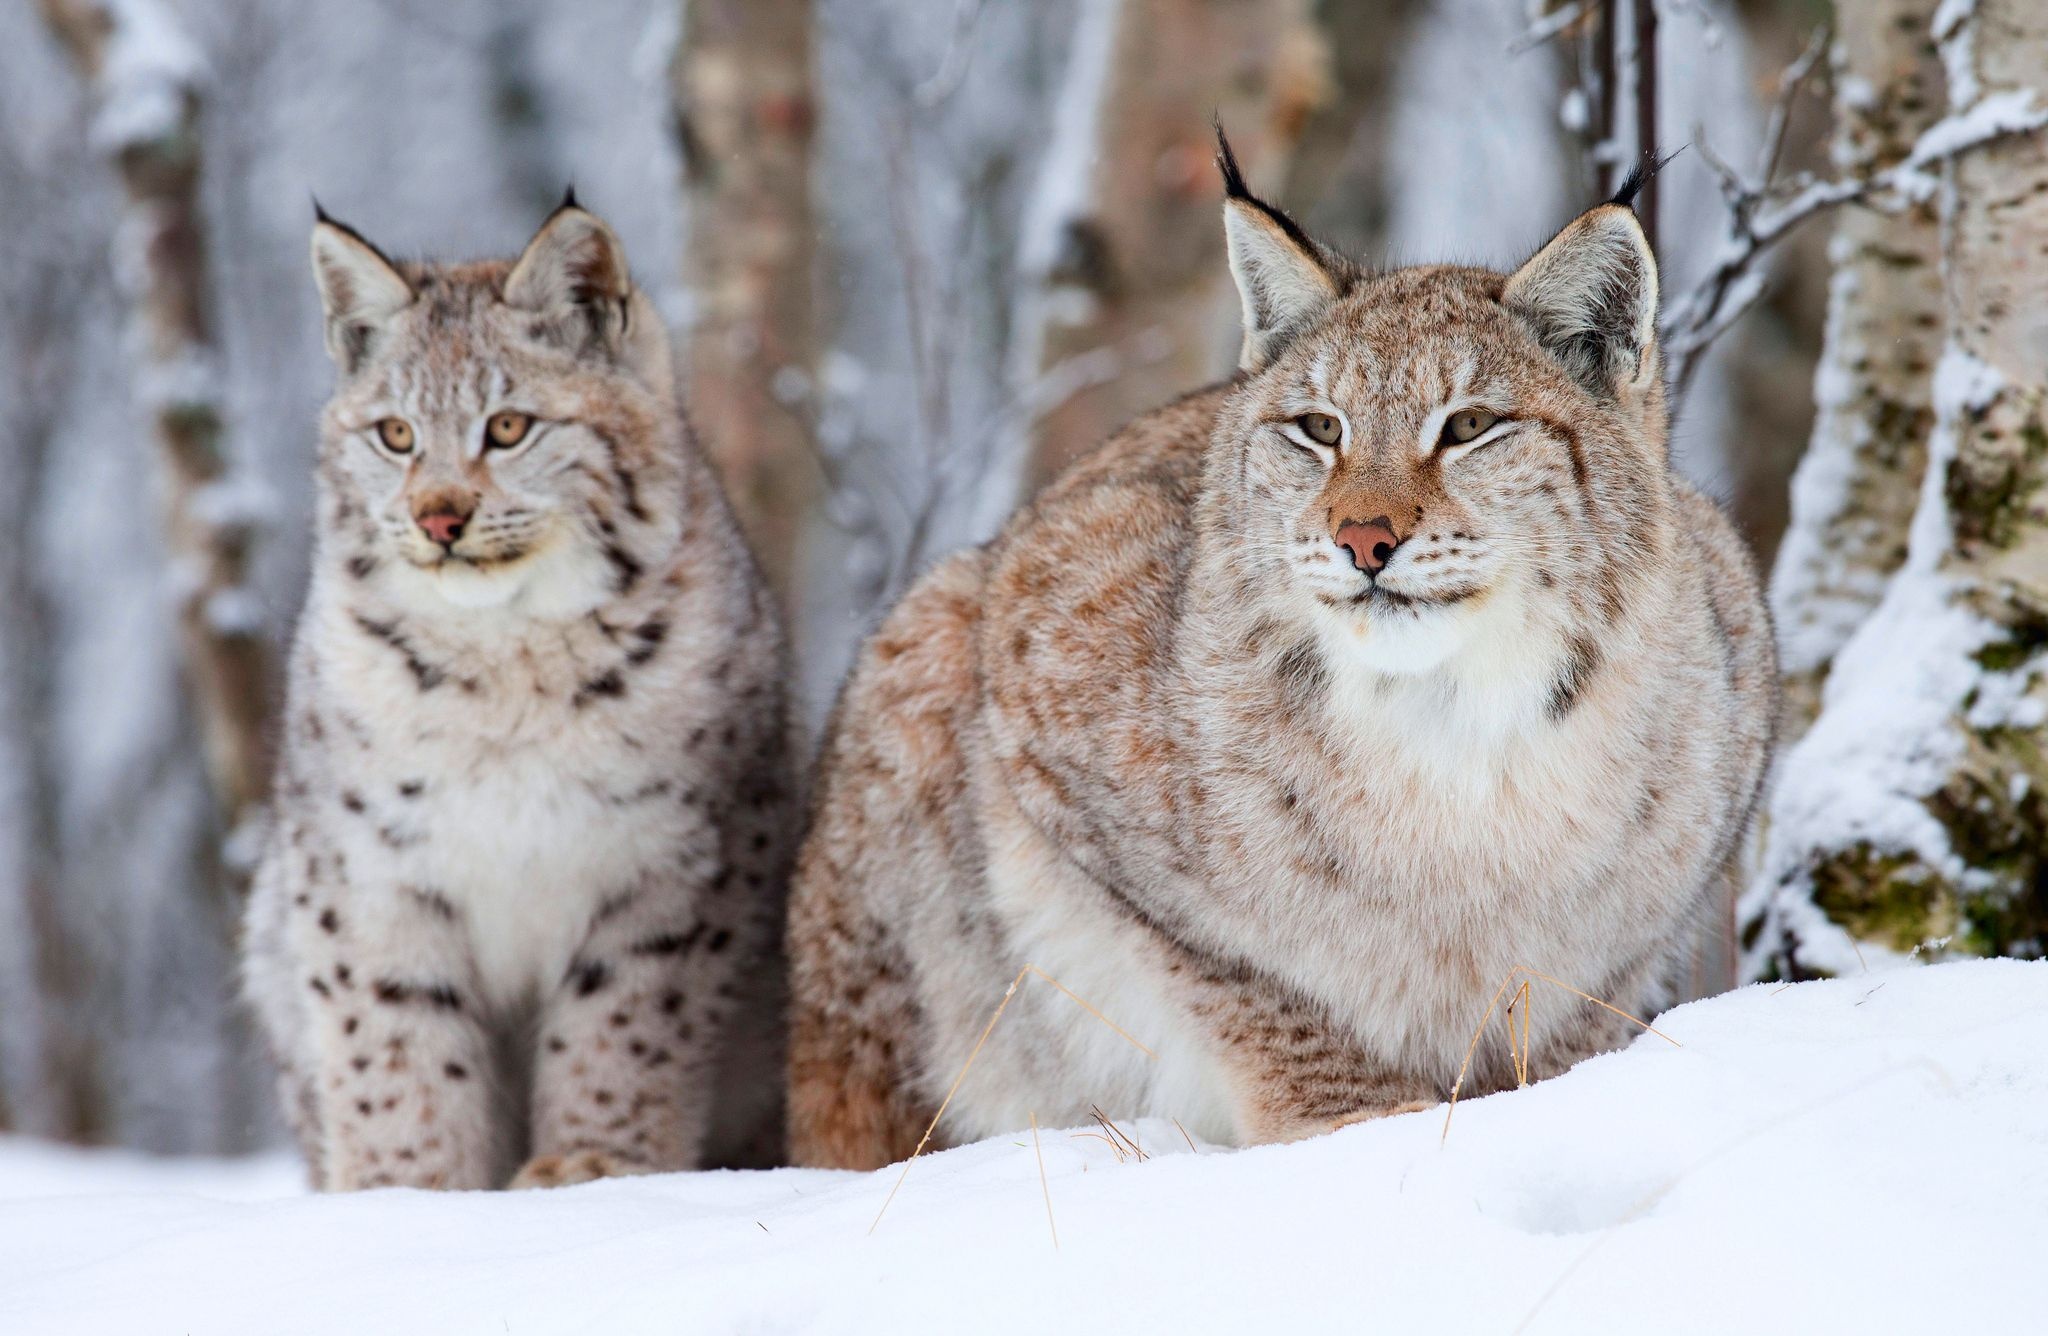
point(1912, 818)
point(146, 76)
point(1854, 492)
point(116, 1002)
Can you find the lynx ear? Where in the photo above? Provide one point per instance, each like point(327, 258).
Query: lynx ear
point(1591, 294)
point(1285, 280)
point(573, 276)
point(360, 290)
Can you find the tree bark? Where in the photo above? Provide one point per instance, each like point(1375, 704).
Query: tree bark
point(1913, 816)
point(742, 88)
point(1855, 488)
point(145, 79)
point(1139, 269)
point(1337, 179)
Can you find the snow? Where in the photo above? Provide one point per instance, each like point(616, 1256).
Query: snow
point(1820, 591)
point(2011, 111)
point(148, 75)
point(1886, 737)
point(1827, 1157)
point(1955, 31)
point(1882, 742)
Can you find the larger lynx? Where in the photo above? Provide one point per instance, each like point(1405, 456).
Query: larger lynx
point(526, 873)
point(1289, 721)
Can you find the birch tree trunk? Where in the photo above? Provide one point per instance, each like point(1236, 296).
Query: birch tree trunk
point(146, 77)
point(1913, 817)
point(1337, 179)
point(742, 81)
point(1854, 491)
point(1138, 270)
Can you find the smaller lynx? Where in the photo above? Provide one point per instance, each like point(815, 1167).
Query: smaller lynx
point(1286, 723)
point(524, 885)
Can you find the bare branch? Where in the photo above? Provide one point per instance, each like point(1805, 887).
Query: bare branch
point(1763, 211)
point(1549, 26)
point(1789, 85)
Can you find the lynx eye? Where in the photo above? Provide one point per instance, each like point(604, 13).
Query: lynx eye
point(506, 430)
point(1467, 424)
point(1320, 428)
point(396, 433)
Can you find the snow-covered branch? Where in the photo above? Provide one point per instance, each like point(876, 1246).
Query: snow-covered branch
point(1762, 210)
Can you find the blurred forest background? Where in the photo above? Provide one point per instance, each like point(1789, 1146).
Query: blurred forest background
point(918, 253)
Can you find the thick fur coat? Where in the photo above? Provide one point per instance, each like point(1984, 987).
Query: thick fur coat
point(1287, 723)
point(520, 906)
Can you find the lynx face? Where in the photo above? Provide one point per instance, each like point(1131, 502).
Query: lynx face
point(479, 450)
point(1441, 455)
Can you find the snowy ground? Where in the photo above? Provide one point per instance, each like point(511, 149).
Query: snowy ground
point(1866, 1155)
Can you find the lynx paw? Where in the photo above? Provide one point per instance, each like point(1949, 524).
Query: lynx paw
point(580, 1166)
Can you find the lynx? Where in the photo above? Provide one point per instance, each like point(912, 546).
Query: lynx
point(520, 904)
point(1285, 724)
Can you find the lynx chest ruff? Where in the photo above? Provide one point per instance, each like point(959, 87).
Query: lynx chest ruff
point(520, 802)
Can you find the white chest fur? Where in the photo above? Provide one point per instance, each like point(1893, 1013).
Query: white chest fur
point(1494, 842)
point(1057, 920)
point(523, 809)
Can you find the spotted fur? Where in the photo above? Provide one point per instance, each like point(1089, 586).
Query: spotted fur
point(1288, 821)
point(521, 901)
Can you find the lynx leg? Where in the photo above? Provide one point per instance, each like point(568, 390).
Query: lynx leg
point(403, 1081)
point(1297, 1076)
point(852, 1104)
point(629, 1042)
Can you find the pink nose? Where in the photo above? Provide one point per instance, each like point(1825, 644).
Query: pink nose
point(444, 527)
point(1371, 545)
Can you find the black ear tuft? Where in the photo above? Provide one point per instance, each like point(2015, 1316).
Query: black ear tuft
point(1639, 176)
point(1235, 188)
point(321, 216)
point(1285, 280)
point(360, 290)
point(568, 199)
point(1226, 162)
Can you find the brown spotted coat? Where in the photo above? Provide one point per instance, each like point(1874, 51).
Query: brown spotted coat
point(520, 906)
point(1288, 822)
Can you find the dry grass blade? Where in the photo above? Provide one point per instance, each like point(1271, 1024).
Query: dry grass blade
point(975, 1052)
point(1518, 1044)
point(1588, 997)
point(1514, 1039)
point(1115, 1149)
point(1522, 1076)
point(1043, 1185)
point(1465, 1067)
point(1184, 1134)
point(1117, 1134)
point(1470, 1049)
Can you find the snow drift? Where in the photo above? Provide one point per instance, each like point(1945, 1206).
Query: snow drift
point(1865, 1154)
